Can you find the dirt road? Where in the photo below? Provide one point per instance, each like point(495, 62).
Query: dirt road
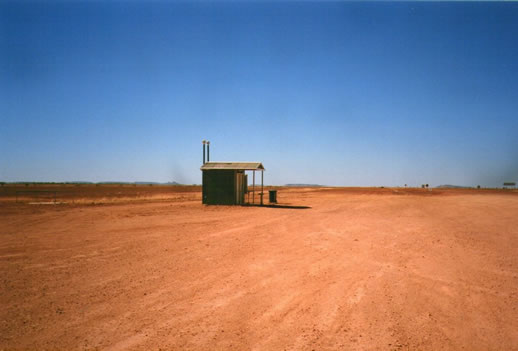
point(358, 270)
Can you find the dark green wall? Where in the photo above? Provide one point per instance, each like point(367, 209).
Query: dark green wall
point(219, 187)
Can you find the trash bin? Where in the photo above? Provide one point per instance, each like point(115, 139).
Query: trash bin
point(273, 196)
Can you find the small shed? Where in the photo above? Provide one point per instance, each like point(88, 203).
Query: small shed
point(226, 183)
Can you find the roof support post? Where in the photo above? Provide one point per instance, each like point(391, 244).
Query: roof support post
point(253, 188)
point(262, 192)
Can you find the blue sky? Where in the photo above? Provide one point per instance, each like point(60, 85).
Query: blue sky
point(335, 93)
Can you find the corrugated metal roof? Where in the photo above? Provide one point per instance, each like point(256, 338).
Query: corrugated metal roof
point(242, 166)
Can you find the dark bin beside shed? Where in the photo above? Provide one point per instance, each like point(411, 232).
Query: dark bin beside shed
point(273, 196)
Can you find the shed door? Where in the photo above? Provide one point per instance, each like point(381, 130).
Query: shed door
point(240, 194)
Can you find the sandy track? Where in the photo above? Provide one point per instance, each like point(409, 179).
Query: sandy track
point(358, 270)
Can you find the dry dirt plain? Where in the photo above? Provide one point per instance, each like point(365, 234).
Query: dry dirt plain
point(361, 269)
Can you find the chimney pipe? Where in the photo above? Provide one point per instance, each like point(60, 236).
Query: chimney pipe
point(203, 142)
point(208, 151)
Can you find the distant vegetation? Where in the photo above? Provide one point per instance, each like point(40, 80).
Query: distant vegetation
point(304, 185)
point(96, 183)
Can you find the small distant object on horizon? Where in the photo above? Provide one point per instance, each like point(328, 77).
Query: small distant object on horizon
point(509, 184)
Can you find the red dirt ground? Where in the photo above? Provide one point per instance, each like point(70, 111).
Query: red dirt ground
point(361, 269)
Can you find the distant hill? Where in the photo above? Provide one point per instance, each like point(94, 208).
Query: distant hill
point(454, 186)
point(142, 183)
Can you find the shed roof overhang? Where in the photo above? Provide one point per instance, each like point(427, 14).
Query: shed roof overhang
point(240, 166)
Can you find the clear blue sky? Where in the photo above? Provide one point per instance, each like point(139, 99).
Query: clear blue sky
point(336, 93)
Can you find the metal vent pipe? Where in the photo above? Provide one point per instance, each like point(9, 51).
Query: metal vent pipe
point(204, 142)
